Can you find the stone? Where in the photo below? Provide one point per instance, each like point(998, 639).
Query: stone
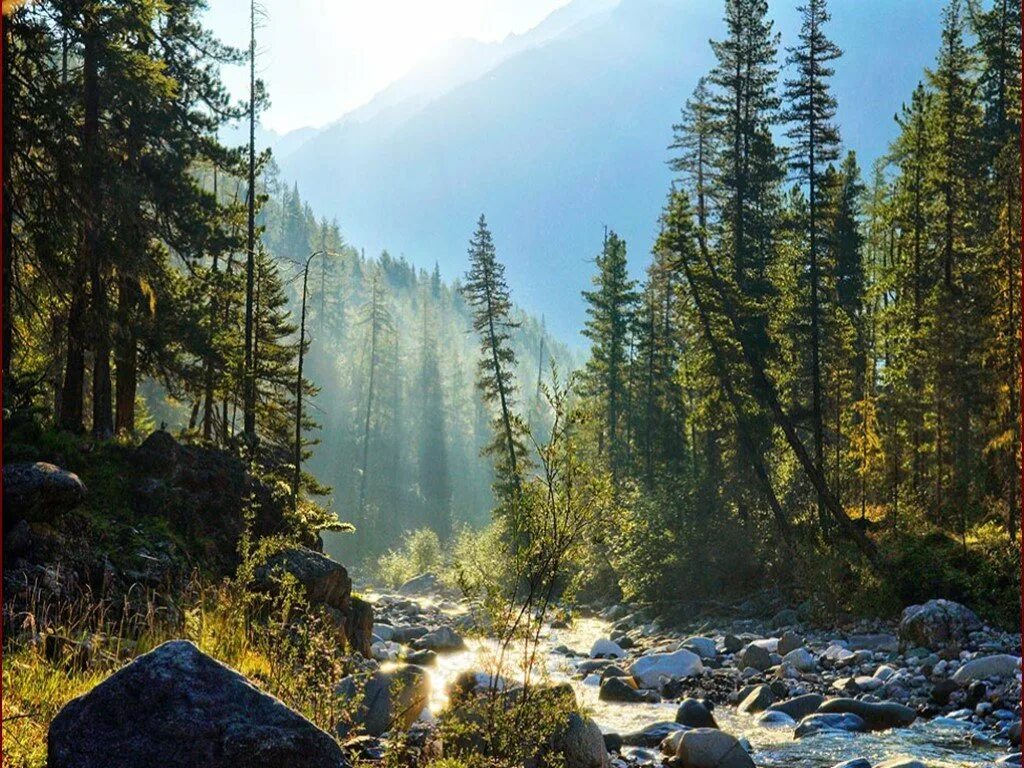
point(732, 644)
point(754, 656)
point(881, 642)
point(652, 735)
point(1000, 667)
point(424, 658)
point(324, 581)
point(440, 640)
point(770, 719)
point(902, 762)
point(877, 716)
point(384, 631)
point(39, 492)
point(694, 714)
point(176, 707)
point(358, 626)
point(425, 583)
point(405, 634)
point(799, 707)
point(938, 625)
point(650, 671)
point(703, 646)
point(829, 722)
point(789, 642)
point(711, 748)
point(1015, 734)
point(382, 701)
point(581, 744)
point(859, 762)
point(606, 649)
point(757, 700)
point(619, 690)
point(801, 660)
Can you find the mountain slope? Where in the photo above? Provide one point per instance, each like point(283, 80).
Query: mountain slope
point(569, 135)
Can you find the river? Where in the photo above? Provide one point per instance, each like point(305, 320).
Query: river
point(939, 743)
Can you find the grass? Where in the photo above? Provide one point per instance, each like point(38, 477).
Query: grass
point(286, 649)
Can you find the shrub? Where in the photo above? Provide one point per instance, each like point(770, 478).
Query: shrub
point(420, 553)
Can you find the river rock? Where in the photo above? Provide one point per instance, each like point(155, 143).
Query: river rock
point(754, 656)
point(902, 762)
point(769, 719)
point(938, 625)
point(819, 723)
point(424, 584)
point(581, 744)
point(711, 748)
point(877, 716)
point(39, 491)
point(1001, 667)
point(703, 646)
point(384, 700)
point(324, 581)
point(732, 644)
point(801, 660)
point(175, 707)
point(650, 671)
point(618, 689)
point(882, 642)
point(799, 707)
point(652, 735)
point(757, 700)
point(606, 649)
point(441, 640)
point(789, 642)
point(694, 714)
point(859, 762)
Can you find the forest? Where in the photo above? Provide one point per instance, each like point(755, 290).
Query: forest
point(803, 403)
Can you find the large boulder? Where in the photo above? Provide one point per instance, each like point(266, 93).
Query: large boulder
point(651, 735)
point(158, 454)
point(382, 701)
point(176, 707)
point(651, 671)
point(425, 583)
point(703, 646)
point(801, 660)
point(618, 689)
point(1001, 666)
point(878, 716)
point(606, 649)
point(581, 744)
point(711, 748)
point(758, 700)
point(39, 491)
point(938, 625)
point(324, 581)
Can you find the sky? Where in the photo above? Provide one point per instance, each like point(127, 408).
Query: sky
point(322, 58)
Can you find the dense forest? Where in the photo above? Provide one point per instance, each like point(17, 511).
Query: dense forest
point(821, 367)
point(815, 382)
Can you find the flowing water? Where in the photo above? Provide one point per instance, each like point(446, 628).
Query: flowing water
point(936, 744)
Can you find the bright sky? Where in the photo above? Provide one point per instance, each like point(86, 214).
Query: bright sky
point(321, 58)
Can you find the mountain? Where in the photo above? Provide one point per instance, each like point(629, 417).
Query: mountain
point(559, 132)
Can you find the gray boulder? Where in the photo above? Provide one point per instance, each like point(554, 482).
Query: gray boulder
point(652, 735)
point(877, 716)
point(789, 641)
point(859, 762)
point(902, 762)
point(938, 625)
point(324, 581)
point(176, 707)
point(39, 491)
point(650, 671)
point(801, 660)
point(711, 748)
point(703, 646)
point(383, 701)
point(1001, 666)
point(425, 583)
point(582, 744)
point(441, 640)
point(694, 714)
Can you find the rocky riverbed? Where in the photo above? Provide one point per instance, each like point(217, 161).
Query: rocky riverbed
point(938, 689)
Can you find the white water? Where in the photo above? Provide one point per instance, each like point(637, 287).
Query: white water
point(939, 747)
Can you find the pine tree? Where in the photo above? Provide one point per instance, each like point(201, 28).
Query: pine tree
point(609, 317)
point(487, 294)
point(811, 113)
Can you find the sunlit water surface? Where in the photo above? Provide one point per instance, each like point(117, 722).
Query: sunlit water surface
point(938, 746)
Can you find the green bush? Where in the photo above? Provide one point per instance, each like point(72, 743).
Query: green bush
point(420, 553)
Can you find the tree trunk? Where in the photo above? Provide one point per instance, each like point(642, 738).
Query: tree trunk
point(126, 360)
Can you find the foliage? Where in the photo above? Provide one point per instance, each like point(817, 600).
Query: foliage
point(420, 553)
